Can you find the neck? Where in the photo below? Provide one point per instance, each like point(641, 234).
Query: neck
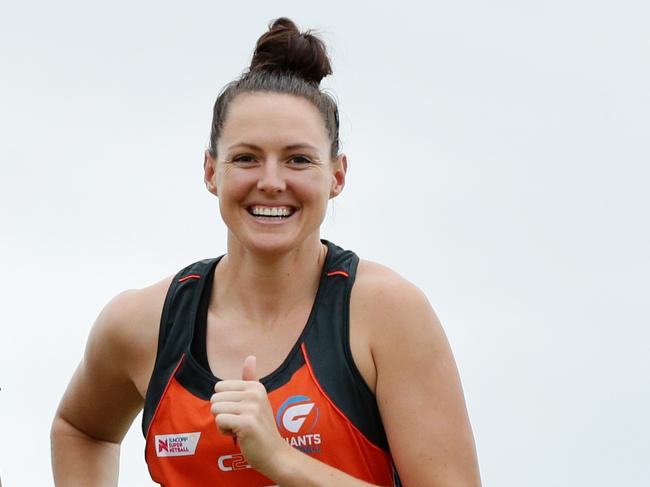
point(266, 287)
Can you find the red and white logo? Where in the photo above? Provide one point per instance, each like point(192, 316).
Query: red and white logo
point(294, 416)
point(177, 445)
point(293, 413)
point(297, 418)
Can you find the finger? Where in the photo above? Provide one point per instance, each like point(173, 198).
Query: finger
point(231, 385)
point(226, 408)
point(249, 371)
point(227, 423)
point(231, 396)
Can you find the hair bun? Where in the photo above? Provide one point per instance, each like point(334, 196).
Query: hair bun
point(285, 48)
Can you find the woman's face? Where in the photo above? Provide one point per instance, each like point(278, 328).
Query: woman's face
point(273, 174)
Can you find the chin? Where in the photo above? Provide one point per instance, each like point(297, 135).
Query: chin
point(270, 244)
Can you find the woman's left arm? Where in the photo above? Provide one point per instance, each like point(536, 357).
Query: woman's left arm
point(418, 389)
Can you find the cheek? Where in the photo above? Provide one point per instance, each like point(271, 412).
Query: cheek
point(314, 188)
point(232, 184)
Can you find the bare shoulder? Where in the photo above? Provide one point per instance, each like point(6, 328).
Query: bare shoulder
point(390, 301)
point(395, 315)
point(384, 307)
point(129, 325)
point(417, 386)
point(107, 390)
point(129, 316)
point(403, 327)
point(134, 304)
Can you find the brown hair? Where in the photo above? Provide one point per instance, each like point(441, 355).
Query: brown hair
point(285, 61)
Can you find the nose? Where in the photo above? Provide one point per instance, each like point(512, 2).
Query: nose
point(271, 179)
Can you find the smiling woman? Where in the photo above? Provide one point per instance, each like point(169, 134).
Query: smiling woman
point(288, 360)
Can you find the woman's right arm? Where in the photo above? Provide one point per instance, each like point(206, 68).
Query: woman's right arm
point(106, 391)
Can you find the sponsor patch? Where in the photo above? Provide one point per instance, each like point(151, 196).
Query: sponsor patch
point(236, 461)
point(177, 444)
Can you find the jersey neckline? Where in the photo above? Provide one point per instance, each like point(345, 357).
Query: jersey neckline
point(198, 321)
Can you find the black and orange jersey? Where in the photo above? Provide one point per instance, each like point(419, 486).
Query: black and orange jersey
point(322, 405)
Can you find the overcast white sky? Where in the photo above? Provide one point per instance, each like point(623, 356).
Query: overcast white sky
point(499, 159)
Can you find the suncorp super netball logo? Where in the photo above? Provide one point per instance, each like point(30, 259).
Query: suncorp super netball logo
point(296, 419)
point(177, 444)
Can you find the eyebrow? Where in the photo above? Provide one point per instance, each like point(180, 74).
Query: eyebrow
point(302, 145)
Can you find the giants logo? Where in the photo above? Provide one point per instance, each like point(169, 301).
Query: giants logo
point(228, 463)
point(294, 412)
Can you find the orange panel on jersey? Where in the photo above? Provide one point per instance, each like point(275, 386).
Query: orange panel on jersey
point(185, 449)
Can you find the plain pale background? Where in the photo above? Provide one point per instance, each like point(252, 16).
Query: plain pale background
point(499, 160)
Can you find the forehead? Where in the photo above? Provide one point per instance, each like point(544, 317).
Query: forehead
point(267, 119)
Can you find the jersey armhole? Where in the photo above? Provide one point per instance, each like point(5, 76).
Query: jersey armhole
point(347, 349)
point(163, 331)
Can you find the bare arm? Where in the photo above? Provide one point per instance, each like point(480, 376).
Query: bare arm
point(105, 392)
point(300, 470)
point(418, 388)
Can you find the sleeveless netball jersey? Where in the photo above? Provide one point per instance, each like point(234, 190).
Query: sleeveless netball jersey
point(321, 404)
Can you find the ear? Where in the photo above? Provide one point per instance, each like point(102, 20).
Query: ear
point(339, 170)
point(210, 173)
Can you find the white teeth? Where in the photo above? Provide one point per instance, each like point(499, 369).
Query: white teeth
point(282, 211)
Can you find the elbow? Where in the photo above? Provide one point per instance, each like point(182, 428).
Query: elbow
point(62, 429)
point(58, 427)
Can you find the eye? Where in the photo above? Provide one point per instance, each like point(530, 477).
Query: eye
point(300, 160)
point(244, 159)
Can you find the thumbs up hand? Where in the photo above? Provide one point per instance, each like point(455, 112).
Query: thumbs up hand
point(242, 410)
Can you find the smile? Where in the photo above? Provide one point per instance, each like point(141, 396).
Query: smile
point(271, 211)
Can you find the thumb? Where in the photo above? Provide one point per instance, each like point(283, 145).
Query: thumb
point(249, 371)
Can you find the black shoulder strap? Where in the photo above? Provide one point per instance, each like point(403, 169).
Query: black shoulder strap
point(176, 329)
point(328, 349)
